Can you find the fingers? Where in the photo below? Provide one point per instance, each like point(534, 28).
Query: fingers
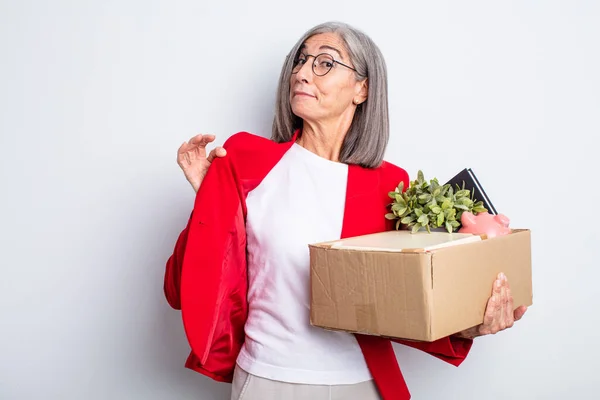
point(497, 288)
point(489, 317)
point(183, 157)
point(500, 309)
point(519, 312)
point(183, 148)
point(505, 313)
point(194, 140)
point(499, 313)
point(495, 312)
point(218, 152)
point(194, 151)
point(510, 318)
point(201, 140)
point(499, 294)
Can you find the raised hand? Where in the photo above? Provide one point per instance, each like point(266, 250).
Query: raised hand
point(192, 159)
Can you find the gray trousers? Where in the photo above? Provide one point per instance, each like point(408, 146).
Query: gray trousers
point(251, 387)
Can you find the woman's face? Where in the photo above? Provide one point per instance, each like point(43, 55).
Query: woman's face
point(329, 97)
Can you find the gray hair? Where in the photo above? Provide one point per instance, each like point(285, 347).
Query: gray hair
point(367, 138)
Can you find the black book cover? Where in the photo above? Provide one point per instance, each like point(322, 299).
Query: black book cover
point(472, 184)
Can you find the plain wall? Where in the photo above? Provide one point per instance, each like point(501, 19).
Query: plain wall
point(96, 97)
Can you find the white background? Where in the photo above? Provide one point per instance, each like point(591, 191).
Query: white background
point(96, 97)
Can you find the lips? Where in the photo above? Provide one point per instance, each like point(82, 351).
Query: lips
point(302, 94)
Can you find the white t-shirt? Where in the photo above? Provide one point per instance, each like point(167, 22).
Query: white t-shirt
point(300, 201)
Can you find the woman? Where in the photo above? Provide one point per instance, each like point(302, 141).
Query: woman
point(240, 269)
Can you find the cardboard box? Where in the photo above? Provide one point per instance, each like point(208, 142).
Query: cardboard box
point(413, 293)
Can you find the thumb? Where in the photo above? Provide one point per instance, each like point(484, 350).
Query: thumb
point(519, 312)
point(218, 152)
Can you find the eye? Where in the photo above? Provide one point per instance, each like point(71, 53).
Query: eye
point(300, 60)
point(326, 64)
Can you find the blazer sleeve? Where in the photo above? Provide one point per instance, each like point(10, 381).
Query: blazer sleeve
point(172, 280)
point(451, 349)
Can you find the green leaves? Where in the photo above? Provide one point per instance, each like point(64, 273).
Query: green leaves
point(427, 204)
point(479, 208)
point(424, 198)
point(440, 219)
point(407, 220)
point(399, 208)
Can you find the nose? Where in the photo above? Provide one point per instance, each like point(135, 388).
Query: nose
point(306, 71)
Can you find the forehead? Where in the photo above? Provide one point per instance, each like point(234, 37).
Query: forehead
point(325, 42)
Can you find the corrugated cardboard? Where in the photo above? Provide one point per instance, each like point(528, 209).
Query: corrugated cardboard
point(415, 294)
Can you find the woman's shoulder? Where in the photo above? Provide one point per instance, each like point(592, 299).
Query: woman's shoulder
point(252, 152)
point(392, 174)
point(246, 141)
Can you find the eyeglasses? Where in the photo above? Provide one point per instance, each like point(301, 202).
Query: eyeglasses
point(321, 66)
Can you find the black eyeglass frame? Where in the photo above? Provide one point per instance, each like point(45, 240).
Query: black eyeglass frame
point(296, 62)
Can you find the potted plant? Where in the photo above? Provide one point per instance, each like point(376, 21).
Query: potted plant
point(429, 205)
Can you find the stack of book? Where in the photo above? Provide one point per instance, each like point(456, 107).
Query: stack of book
point(468, 178)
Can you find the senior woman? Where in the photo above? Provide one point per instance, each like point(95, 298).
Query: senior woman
point(240, 269)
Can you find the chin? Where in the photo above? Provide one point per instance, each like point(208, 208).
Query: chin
point(299, 110)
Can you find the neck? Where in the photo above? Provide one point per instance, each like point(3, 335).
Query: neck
point(325, 140)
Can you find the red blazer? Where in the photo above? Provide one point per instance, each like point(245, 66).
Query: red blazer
point(206, 275)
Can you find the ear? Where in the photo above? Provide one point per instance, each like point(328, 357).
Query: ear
point(363, 91)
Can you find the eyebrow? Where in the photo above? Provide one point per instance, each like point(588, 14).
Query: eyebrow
point(332, 48)
point(325, 47)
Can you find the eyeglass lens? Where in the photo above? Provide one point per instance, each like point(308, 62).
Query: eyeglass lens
point(321, 65)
